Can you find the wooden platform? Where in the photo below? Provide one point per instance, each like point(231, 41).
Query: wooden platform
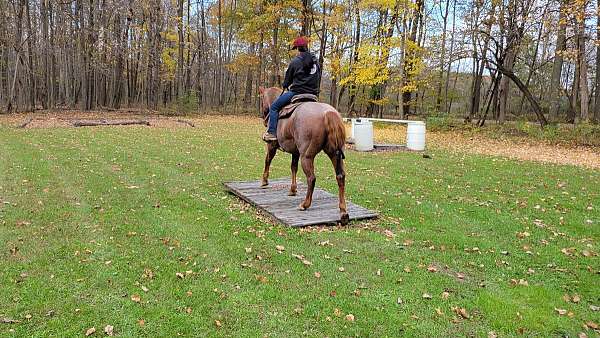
point(275, 201)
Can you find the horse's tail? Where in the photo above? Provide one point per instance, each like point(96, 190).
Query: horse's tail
point(336, 135)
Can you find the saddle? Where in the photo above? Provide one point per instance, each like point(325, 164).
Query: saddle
point(297, 100)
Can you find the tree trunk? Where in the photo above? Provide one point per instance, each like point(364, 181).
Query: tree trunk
point(179, 80)
point(352, 90)
point(307, 16)
point(583, 73)
point(409, 58)
point(444, 15)
point(30, 61)
point(508, 73)
point(555, 90)
point(597, 80)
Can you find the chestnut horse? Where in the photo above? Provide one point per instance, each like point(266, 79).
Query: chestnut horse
point(313, 127)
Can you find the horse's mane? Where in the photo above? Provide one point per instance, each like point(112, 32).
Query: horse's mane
point(272, 93)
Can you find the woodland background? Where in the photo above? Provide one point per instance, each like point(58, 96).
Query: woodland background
point(475, 60)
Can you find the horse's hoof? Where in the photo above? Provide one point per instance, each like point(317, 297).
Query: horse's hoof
point(264, 184)
point(301, 207)
point(291, 193)
point(345, 219)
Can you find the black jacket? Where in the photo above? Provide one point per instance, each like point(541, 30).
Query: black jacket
point(303, 75)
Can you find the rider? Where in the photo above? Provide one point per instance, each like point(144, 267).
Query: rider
point(303, 76)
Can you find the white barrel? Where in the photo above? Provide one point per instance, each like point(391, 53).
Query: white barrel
point(363, 135)
point(352, 129)
point(415, 136)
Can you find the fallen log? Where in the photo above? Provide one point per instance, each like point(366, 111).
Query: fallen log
point(25, 123)
point(93, 123)
point(189, 123)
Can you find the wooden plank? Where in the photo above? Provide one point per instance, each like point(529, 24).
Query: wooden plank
point(274, 201)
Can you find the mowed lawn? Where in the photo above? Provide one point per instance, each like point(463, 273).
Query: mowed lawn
point(131, 227)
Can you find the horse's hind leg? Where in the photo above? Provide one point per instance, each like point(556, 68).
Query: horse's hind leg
point(294, 167)
point(308, 167)
point(271, 151)
point(340, 176)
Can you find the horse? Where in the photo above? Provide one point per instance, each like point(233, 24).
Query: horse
point(312, 128)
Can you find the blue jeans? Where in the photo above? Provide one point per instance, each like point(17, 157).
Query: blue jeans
point(276, 106)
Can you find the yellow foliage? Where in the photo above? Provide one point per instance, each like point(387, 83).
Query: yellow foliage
point(242, 62)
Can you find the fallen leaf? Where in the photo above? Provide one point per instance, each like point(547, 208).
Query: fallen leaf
point(179, 275)
point(561, 312)
point(582, 335)
point(591, 325)
point(280, 248)
point(523, 234)
point(136, 298)
point(594, 307)
point(317, 274)
point(218, 323)
point(492, 334)
point(109, 330)
point(90, 331)
point(145, 289)
point(568, 251)
point(588, 253)
point(575, 299)
point(341, 269)
point(337, 312)
point(432, 268)
point(9, 321)
point(439, 311)
point(350, 317)
point(148, 274)
point(445, 295)
point(519, 282)
point(462, 312)
point(388, 233)
point(306, 262)
point(141, 322)
point(378, 273)
point(427, 296)
point(261, 279)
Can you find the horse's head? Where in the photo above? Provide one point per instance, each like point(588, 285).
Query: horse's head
point(267, 97)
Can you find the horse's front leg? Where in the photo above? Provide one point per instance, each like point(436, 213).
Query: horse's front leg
point(271, 151)
point(308, 167)
point(294, 187)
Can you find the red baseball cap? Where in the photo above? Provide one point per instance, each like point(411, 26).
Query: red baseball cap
point(301, 41)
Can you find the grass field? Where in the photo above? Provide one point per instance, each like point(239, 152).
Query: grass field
point(130, 227)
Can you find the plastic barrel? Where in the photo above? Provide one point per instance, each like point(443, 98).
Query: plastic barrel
point(363, 135)
point(415, 136)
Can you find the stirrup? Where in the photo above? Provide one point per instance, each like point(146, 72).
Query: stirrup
point(268, 137)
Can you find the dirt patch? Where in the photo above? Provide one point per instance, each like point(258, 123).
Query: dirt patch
point(67, 119)
point(381, 148)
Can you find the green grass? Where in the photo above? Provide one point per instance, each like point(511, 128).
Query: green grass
point(85, 211)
